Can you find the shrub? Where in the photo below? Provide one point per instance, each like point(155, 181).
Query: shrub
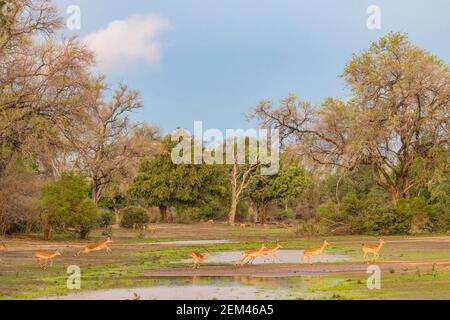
point(309, 228)
point(134, 216)
point(106, 218)
point(389, 221)
point(65, 204)
point(287, 214)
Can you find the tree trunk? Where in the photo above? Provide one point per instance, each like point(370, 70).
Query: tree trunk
point(47, 233)
point(163, 212)
point(94, 192)
point(232, 212)
point(263, 213)
point(253, 211)
point(117, 215)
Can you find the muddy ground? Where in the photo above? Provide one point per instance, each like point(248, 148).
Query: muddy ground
point(419, 263)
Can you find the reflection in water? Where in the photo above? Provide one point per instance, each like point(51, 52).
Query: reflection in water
point(206, 288)
point(286, 256)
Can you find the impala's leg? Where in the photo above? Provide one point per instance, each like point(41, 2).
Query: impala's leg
point(108, 250)
point(276, 256)
point(51, 262)
point(309, 259)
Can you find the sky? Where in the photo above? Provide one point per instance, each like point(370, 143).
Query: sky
point(214, 60)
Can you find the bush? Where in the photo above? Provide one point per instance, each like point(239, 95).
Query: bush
point(65, 204)
point(310, 228)
point(134, 216)
point(388, 222)
point(106, 218)
point(288, 214)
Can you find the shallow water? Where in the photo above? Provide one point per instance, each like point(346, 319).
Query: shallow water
point(206, 288)
point(192, 242)
point(285, 256)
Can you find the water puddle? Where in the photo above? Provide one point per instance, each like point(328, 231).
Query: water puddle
point(285, 256)
point(206, 288)
point(191, 242)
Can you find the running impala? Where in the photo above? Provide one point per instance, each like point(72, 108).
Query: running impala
point(372, 248)
point(44, 258)
point(252, 255)
point(97, 247)
point(197, 258)
point(310, 252)
point(272, 252)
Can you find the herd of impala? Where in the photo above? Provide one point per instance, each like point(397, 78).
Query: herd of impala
point(46, 258)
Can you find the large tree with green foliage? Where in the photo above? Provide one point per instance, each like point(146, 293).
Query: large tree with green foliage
point(398, 112)
point(162, 183)
point(287, 185)
point(65, 204)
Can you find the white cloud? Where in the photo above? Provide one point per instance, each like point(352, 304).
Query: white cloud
point(128, 42)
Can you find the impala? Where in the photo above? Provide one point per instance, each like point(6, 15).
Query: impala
point(197, 258)
point(372, 248)
point(97, 247)
point(308, 253)
point(43, 258)
point(242, 226)
point(152, 228)
point(272, 252)
point(251, 255)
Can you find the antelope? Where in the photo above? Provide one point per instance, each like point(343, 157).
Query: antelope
point(97, 247)
point(308, 253)
point(273, 252)
point(43, 258)
point(210, 222)
point(252, 255)
point(197, 258)
point(242, 226)
point(372, 248)
point(152, 228)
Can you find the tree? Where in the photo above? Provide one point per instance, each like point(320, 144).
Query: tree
point(65, 204)
point(19, 185)
point(105, 145)
point(287, 185)
point(240, 177)
point(162, 183)
point(42, 83)
point(400, 95)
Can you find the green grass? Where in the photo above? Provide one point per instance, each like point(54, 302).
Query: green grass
point(23, 279)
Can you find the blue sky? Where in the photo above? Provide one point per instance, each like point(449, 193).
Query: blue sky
point(218, 58)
